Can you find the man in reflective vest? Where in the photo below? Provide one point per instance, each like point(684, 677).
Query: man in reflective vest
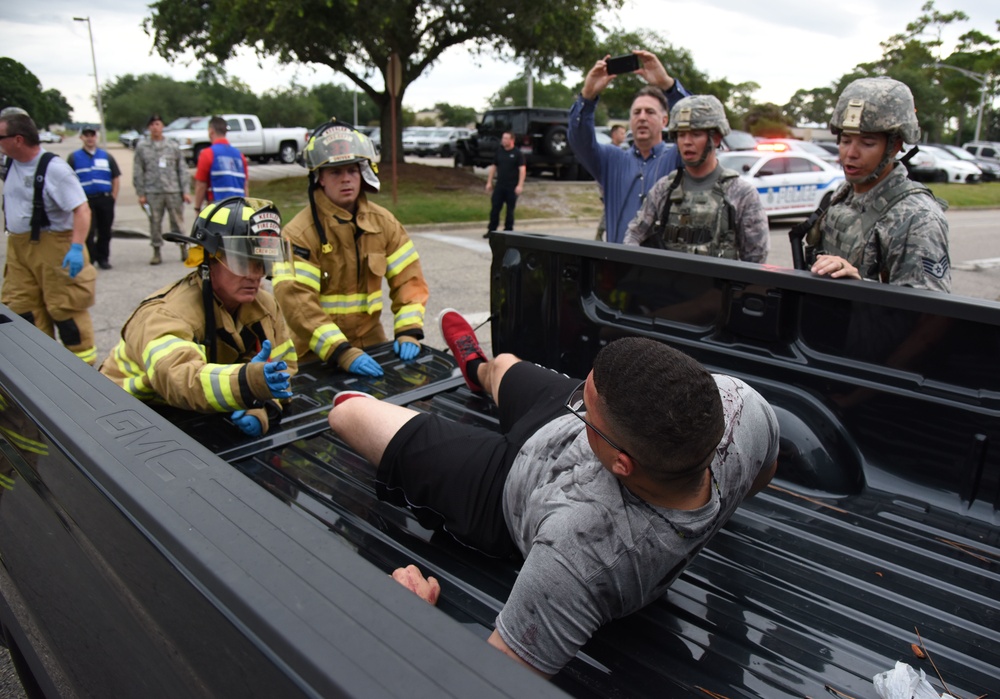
point(99, 174)
point(222, 170)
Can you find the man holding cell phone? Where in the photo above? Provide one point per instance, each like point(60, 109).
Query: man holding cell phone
point(626, 176)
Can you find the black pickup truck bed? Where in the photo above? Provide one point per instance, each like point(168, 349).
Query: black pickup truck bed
point(137, 561)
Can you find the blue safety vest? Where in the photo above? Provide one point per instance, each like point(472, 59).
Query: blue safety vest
point(226, 178)
point(94, 171)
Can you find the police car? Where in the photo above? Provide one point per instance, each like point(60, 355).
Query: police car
point(790, 183)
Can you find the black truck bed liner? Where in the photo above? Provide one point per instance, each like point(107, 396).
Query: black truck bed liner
point(881, 522)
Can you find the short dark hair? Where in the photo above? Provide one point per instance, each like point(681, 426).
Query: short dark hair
point(654, 92)
point(22, 125)
point(88, 130)
point(662, 404)
point(218, 125)
point(617, 127)
point(152, 118)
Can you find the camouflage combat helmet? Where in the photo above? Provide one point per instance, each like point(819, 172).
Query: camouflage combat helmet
point(336, 143)
point(876, 105)
point(698, 112)
point(12, 111)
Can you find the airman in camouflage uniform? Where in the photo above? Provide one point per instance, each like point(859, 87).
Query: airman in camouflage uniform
point(702, 208)
point(160, 178)
point(880, 225)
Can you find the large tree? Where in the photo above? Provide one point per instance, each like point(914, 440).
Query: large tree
point(544, 94)
point(356, 38)
point(19, 87)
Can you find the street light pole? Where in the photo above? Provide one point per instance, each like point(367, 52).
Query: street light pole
point(97, 85)
point(979, 78)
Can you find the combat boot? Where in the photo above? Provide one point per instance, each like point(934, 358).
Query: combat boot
point(156, 259)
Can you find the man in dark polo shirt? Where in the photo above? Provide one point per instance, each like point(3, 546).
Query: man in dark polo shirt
point(509, 170)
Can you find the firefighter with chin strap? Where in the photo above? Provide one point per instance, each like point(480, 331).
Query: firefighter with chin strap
point(214, 341)
point(343, 246)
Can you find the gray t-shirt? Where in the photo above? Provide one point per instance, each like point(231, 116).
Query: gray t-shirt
point(593, 551)
point(62, 193)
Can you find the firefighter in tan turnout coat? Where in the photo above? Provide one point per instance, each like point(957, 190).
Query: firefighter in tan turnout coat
point(241, 359)
point(343, 245)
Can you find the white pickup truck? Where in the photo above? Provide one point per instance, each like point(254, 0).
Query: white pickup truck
point(246, 134)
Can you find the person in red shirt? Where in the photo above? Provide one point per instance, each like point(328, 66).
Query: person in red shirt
point(222, 170)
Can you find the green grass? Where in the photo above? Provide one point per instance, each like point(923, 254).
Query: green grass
point(960, 196)
point(447, 195)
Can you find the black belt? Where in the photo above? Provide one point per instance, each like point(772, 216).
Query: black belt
point(97, 196)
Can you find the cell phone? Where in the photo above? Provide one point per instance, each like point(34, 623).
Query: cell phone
point(622, 64)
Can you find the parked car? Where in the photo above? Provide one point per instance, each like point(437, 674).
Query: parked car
point(790, 183)
point(989, 168)
point(130, 138)
point(984, 149)
point(440, 142)
point(49, 137)
point(779, 145)
point(540, 133)
point(182, 123)
point(738, 140)
point(247, 135)
point(946, 167)
point(830, 147)
point(411, 136)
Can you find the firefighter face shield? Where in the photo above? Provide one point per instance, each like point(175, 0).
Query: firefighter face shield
point(254, 255)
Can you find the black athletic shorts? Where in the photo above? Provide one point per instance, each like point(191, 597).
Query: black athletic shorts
point(452, 475)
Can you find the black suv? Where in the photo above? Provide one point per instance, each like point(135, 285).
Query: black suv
point(540, 133)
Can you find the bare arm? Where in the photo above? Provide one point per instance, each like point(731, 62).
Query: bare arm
point(114, 187)
point(521, 173)
point(489, 177)
point(497, 642)
point(200, 190)
point(81, 223)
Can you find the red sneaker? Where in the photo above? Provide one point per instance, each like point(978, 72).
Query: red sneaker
point(462, 342)
point(341, 396)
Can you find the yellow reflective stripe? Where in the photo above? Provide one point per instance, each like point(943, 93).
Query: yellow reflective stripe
point(343, 304)
point(6, 483)
point(398, 261)
point(325, 338)
point(307, 274)
point(286, 350)
point(88, 355)
point(135, 381)
point(3, 402)
point(410, 314)
point(217, 383)
point(22, 442)
point(282, 272)
point(159, 348)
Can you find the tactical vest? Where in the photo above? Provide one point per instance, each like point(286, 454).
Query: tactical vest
point(699, 223)
point(844, 231)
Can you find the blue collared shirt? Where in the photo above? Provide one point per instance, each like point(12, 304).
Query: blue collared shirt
point(624, 175)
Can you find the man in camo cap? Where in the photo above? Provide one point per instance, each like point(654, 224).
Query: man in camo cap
point(702, 208)
point(880, 226)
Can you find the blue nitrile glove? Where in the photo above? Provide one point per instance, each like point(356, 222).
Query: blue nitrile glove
point(406, 350)
point(74, 259)
point(265, 352)
point(248, 423)
point(277, 380)
point(366, 366)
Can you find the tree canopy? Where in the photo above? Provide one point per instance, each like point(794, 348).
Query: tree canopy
point(356, 38)
point(943, 96)
point(20, 88)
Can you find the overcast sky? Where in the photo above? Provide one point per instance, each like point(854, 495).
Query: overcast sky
point(789, 45)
